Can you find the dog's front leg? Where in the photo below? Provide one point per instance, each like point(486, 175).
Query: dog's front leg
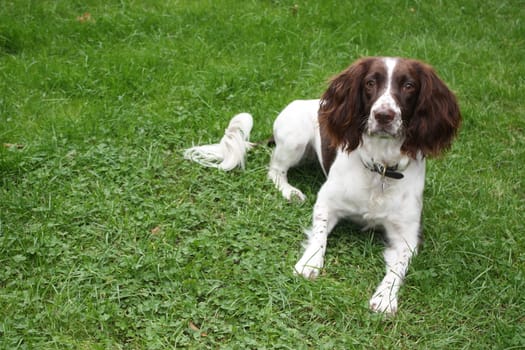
point(397, 255)
point(310, 264)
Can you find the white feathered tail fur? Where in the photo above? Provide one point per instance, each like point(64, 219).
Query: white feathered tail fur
point(231, 151)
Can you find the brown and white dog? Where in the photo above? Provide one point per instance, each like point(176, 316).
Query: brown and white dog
point(371, 132)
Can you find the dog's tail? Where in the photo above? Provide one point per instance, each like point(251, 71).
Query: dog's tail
point(231, 151)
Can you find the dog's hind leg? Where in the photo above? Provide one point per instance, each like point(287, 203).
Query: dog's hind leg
point(294, 133)
point(286, 155)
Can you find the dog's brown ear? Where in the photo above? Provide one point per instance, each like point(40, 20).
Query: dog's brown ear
point(342, 111)
point(436, 118)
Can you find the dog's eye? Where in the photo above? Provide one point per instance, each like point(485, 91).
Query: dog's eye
point(409, 86)
point(370, 83)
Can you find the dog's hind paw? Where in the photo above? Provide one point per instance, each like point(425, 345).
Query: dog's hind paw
point(291, 193)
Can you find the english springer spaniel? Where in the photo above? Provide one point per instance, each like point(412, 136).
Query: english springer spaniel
point(371, 132)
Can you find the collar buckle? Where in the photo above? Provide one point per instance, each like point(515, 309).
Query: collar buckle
point(386, 171)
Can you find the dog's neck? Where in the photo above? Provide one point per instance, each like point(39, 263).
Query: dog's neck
point(384, 151)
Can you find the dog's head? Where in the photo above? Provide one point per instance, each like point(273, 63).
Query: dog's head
point(390, 98)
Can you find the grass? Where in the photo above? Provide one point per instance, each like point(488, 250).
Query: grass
point(110, 240)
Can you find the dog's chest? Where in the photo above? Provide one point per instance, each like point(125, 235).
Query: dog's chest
point(355, 191)
point(374, 201)
point(362, 195)
point(381, 202)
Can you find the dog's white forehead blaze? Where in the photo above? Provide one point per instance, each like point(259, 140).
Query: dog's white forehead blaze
point(390, 64)
point(386, 100)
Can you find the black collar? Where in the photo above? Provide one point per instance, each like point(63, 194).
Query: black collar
point(388, 171)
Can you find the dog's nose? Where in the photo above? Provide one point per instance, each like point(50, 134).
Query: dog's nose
point(385, 116)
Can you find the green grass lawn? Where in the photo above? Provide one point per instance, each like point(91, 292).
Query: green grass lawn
point(110, 240)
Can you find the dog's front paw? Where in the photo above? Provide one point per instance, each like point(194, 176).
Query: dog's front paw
point(309, 266)
point(307, 271)
point(382, 301)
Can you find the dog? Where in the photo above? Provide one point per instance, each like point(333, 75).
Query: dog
point(371, 132)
